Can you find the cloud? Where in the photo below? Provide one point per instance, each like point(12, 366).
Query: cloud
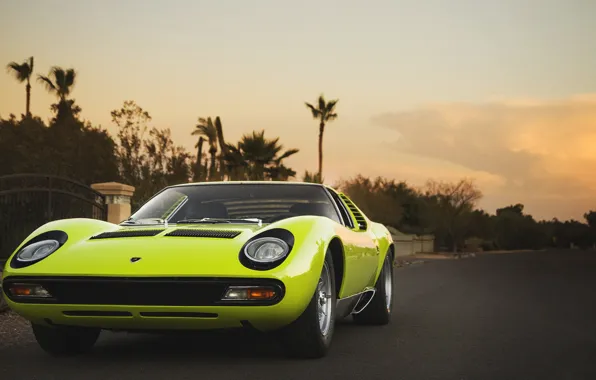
point(543, 153)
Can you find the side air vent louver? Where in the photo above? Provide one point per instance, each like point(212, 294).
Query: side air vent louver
point(126, 233)
point(188, 232)
point(357, 214)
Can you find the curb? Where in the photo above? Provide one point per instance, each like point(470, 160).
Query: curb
point(428, 257)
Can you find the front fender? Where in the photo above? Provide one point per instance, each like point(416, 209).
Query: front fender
point(303, 267)
point(76, 228)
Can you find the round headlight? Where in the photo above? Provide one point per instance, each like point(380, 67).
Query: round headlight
point(37, 251)
point(266, 250)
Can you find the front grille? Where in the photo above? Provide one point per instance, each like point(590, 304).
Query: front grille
point(189, 232)
point(149, 291)
point(127, 233)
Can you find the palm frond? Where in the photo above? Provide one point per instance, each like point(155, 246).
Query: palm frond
point(331, 116)
point(330, 106)
point(321, 102)
point(19, 70)
point(315, 112)
point(69, 79)
point(50, 87)
point(59, 78)
point(288, 153)
point(205, 127)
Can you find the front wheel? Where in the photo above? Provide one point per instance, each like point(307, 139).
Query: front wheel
point(378, 311)
point(309, 336)
point(65, 341)
point(3, 303)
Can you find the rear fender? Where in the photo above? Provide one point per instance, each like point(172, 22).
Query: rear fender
point(384, 241)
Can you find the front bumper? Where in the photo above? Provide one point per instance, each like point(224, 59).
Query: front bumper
point(154, 303)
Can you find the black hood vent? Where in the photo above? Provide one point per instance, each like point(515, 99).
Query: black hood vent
point(127, 233)
point(188, 232)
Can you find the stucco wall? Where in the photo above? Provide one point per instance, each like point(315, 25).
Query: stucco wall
point(409, 244)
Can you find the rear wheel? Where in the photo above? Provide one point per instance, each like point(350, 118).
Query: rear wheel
point(380, 308)
point(65, 341)
point(310, 335)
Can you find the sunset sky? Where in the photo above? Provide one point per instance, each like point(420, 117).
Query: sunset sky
point(500, 91)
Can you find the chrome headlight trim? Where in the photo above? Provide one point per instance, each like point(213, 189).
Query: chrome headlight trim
point(260, 242)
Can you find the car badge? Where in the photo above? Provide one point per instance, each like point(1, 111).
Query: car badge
point(134, 259)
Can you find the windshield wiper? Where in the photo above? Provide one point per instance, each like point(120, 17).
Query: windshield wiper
point(146, 221)
point(220, 220)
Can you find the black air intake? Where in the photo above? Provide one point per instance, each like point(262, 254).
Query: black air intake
point(127, 233)
point(188, 232)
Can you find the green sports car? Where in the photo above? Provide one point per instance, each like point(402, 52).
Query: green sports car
point(283, 257)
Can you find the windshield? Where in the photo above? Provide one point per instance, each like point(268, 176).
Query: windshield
point(266, 202)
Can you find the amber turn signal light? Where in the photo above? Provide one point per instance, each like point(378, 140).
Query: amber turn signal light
point(28, 290)
point(260, 294)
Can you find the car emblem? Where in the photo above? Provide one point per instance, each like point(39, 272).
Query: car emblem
point(134, 259)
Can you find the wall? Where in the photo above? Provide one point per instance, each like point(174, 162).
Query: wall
point(409, 244)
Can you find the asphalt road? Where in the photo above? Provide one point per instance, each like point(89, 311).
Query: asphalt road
point(507, 316)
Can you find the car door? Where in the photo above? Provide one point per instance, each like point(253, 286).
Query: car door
point(360, 249)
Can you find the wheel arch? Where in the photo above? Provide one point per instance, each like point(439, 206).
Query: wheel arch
point(392, 251)
point(336, 248)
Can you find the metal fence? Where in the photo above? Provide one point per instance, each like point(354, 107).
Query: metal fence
point(28, 201)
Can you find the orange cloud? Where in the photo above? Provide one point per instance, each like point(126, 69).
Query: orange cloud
point(540, 153)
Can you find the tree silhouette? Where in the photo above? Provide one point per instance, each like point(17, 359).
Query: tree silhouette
point(148, 158)
point(198, 176)
point(60, 82)
point(236, 165)
point(262, 154)
point(222, 146)
point(324, 112)
point(22, 72)
point(206, 128)
point(590, 218)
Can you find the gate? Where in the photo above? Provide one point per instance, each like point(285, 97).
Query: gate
point(28, 201)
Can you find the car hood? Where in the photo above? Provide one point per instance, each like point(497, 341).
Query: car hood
point(182, 250)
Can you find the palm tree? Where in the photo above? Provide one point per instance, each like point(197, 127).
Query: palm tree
point(312, 177)
point(60, 82)
point(198, 166)
point(222, 145)
point(206, 128)
point(236, 165)
point(325, 112)
point(280, 172)
point(22, 72)
point(262, 153)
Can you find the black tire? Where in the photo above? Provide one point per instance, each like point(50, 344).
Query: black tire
point(3, 303)
point(303, 338)
point(378, 312)
point(65, 341)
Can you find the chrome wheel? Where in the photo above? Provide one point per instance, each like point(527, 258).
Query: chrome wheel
point(324, 294)
point(388, 283)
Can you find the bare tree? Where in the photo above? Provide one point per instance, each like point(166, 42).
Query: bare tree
point(449, 206)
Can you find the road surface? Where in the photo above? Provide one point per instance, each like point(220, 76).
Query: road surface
point(507, 316)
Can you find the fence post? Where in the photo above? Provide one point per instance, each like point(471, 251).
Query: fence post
point(117, 199)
